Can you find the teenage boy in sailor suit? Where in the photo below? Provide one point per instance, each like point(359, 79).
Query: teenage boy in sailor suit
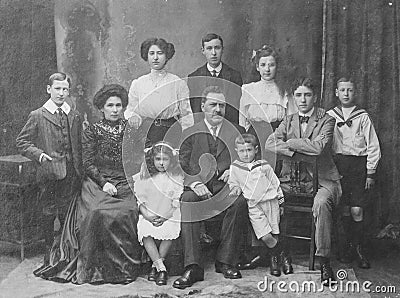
point(357, 153)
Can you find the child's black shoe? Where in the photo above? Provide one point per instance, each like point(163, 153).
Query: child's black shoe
point(152, 274)
point(162, 278)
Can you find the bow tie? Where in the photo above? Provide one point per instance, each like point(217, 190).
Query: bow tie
point(304, 119)
point(348, 123)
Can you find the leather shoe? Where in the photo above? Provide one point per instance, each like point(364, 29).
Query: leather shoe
point(274, 266)
point(361, 258)
point(162, 278)
point(252, 264)
point(190, 276)
point(326, 274)
point(152, 274)
point(286, 262)
point(229, 271)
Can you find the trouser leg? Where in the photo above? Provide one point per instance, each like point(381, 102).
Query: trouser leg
point(190, 230)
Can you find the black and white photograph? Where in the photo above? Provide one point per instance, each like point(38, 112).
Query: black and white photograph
point(199, 148)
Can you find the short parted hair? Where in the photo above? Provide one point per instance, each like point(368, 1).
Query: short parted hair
point(210, 89)
point(167, 47)
point(246, 138)
point(161, 147)
point(264, 51)
point(345, 79)
point(210, 36)
point(59, 76)
point(107, 91)
point(303, 81)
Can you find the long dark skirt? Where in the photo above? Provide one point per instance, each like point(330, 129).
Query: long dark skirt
point(99, 239)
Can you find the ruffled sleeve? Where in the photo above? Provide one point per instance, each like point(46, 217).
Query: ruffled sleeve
point(142, 189)
point(185, 111)
point(133, 101)
point(176, 188)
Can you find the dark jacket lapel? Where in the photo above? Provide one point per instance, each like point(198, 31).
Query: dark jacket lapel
point(224, 136)
point(296, 125)
point(71, 117)
point(225, 73)
point(202, 137)
point(204, 71)
point(312, 123)
point(51, 117)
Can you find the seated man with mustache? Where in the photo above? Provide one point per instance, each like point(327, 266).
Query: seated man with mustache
point(206, 153)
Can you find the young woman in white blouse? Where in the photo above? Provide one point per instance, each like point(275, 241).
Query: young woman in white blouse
point(159, 101)
point(264, 103)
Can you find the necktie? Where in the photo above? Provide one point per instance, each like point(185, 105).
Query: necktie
point(60, 114)
point(62, 117)
point(214, 73)
point(214, 132)
point(304, 119)
point(347, 122)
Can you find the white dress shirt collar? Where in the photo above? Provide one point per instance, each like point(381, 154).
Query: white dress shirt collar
point(210, 129)
point(217, 69)
point(308, 114)
point(52, 107)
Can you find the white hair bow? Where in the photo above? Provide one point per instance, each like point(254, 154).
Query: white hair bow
point(253, 55)
point(175, 152)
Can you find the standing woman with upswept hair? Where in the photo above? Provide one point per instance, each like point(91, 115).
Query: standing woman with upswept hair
point(159, 101)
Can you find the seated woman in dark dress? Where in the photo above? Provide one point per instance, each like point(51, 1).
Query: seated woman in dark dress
point(99, 243)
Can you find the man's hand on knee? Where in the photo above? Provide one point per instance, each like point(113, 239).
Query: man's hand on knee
point(201, 190)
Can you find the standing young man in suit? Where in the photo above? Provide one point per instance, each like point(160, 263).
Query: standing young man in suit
point(52, 138)
point(215, 73)
point(206, 153)
point(305, 133)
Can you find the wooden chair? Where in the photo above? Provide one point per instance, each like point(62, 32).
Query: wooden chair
point(297, 197)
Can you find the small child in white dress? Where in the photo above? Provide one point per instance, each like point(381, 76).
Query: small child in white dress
point(158, 188)
point(261, 188)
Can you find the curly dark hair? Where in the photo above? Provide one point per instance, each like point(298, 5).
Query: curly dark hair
point(306, 82)
point(167, 47)
point(108, 91)
point(164, 147)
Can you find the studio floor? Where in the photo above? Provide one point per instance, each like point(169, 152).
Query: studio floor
point(16, 279)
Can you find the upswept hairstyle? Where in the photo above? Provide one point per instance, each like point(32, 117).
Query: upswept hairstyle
point(246, 138)
point(161, 147)
point(265, 51)
point(107, 91)
point(59, 76)
point(210, 89)
point(210, 36)
point(167, 47)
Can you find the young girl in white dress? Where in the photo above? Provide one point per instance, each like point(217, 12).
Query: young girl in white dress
point(158, 188)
